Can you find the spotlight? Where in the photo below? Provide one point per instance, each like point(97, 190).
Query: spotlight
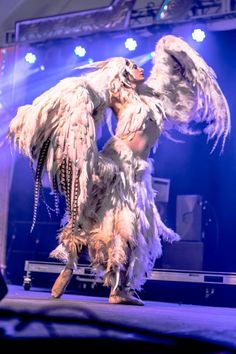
point(130, 44)
point(198, 35)
point(173, 10)
point(30, 58)
point(80, 51)
point(143, 59)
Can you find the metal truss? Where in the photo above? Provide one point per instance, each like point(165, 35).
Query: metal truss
point(176, 11)
point(128, 14)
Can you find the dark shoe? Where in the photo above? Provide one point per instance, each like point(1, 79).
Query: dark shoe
point(61, 283)
point(124, 297)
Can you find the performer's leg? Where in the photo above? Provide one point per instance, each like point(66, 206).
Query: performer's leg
point(64, 277)
point(121, 292)
point(62, 282)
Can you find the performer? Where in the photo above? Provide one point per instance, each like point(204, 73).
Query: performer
point(109, 197)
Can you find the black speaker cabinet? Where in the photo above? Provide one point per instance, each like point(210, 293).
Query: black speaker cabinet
point(184, 255)
point(3, 287)
point(189, 217)
point(23, 245)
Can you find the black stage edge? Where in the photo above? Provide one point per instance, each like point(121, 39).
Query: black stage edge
point(32, 319)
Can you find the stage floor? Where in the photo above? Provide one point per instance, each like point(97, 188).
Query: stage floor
point(79, 316)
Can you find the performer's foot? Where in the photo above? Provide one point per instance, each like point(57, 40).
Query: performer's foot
point(61, 283)
point(124, 297)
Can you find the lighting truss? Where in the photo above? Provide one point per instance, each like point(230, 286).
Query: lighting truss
point(176, 11)
point(128, 14)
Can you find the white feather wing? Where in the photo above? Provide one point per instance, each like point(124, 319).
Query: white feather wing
point(188, 89)
point(57, 132)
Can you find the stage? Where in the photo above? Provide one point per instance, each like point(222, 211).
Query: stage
point(33, 318)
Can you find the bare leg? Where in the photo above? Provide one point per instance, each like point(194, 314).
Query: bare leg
point(61, 282)
point(64, 278)
point(122, 294)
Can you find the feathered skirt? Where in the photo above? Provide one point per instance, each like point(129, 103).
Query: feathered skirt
point(120, 224)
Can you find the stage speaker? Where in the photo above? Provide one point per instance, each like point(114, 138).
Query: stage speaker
point(161, 189)
point(3, 287)
point(189, 217)
point(185, 255)
point(23, 245)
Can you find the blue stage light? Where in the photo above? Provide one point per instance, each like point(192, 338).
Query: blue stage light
point(80, 51)
point(130, 44)
point(30, 58)
point(198, 35)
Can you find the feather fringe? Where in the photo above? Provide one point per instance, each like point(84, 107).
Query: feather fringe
point(189, 90)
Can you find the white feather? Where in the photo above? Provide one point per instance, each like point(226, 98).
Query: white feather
point(188, 89)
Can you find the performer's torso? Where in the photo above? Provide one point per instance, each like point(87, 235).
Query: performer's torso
point(142, 141)
point(139, 123)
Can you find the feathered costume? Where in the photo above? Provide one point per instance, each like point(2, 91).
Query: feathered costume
point(109, 197)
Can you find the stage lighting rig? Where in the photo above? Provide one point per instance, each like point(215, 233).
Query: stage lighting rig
point(173, 12)
point(173, 9)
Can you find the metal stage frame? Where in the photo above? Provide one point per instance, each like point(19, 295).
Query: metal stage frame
point(85, 274)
